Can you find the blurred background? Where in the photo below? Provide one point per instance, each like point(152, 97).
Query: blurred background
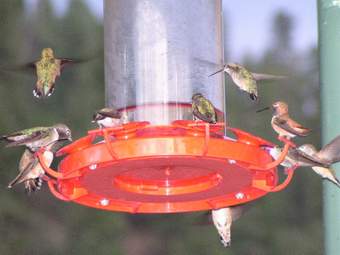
point(266, 36)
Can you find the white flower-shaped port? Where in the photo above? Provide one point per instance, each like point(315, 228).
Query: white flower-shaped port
point(93, 166)
point(239, 195)
point(231, 161)
point(104, 202)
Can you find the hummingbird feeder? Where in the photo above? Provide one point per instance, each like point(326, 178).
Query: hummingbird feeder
point(161, 161)
point(184, 166)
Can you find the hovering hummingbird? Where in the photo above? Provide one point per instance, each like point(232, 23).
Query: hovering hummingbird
point(283, 124)
point(37, 137)
point(246, 80)
point(203, 109)
point(108, 117)
point(223, 218)
point(307, 155)
point(47, 69)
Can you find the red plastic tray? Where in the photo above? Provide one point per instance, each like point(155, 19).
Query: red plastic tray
point(182, 167)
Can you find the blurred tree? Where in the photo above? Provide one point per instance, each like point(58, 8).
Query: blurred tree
point(42, 29)
point(282, 30)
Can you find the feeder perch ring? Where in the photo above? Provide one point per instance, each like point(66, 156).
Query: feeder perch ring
point(181, 167)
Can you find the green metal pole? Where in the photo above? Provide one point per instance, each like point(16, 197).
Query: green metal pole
point(329, 45)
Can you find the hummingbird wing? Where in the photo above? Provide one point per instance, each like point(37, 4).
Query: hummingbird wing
point(291, 126)
point(65, 61)
point(327, 173)
point(304, 158)
point(22, 175)
point(204, 110)
point(263, 76)
point(331, 151)
point(27, 68)
point(26, 164)
point(236, 212)
point(26, 136)
point(239, 210)
point(71, 61)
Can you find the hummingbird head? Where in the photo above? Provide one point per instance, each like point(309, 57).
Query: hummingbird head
point(280, 108)
point(96, 117)
point(47, 53)
point(228, 68)
point(64, 132)
point(232, 67)
point(196, 95)
point(106, 112)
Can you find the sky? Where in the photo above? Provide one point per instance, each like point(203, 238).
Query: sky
point(258, 15)
point(241, 15)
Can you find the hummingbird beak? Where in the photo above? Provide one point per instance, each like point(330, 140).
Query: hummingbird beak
point(263, 109)
point(216, 72)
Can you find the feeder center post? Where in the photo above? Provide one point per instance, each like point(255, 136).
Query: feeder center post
point(329, 47)
point(161, 52)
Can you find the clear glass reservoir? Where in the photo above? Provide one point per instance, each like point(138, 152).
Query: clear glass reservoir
point(158, 53)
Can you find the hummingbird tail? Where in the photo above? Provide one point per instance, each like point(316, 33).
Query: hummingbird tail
point(37, 93)
point(253, 97)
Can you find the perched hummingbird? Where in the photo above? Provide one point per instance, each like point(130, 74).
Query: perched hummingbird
point(108, 117)
point(37, 137)
point(223, 218)
point(30, 169)
point(307, 155)
point(203, 109)
point(246, 80)
point(283, 124)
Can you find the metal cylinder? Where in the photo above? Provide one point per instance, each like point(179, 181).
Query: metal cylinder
point(329, 38)
point(158, 53)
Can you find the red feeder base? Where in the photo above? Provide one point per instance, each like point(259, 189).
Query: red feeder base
point(182, 167)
